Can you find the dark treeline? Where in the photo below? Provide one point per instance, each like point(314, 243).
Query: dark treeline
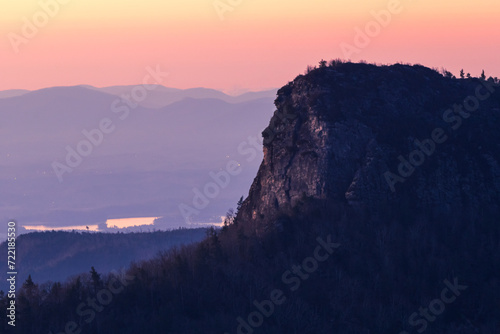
point(55, 255)
point(383, 272)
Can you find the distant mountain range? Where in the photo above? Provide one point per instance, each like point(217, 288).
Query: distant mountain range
point(147, 165)
point(162, 96)
point(13, 93)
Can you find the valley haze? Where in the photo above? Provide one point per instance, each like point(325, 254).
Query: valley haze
point(151, 162)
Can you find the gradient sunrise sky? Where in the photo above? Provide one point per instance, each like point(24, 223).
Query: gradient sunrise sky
point(259, 44)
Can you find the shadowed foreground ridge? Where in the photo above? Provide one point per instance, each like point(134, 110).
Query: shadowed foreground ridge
point(338, 133)
point(323, 244)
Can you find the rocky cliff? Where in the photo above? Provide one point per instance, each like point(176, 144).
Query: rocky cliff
point(370, 137)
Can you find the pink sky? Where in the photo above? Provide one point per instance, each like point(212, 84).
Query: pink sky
point(259, 45)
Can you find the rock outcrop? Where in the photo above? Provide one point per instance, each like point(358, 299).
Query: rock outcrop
point(370, 137)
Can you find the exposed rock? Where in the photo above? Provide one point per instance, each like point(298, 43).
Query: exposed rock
point(338, 131)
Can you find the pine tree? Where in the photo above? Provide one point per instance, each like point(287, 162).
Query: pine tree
point(214, 245)
point(30, 289)
point(483, 76)
point(462, 74)
point(238, 208)
point(239, 204)
point(96, 278)
point(28, 284)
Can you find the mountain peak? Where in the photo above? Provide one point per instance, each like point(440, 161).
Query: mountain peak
point(365, 137)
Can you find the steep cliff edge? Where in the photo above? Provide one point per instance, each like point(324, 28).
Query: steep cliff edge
point(371, 137)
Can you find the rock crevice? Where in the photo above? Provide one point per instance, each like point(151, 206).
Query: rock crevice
point(338, 130)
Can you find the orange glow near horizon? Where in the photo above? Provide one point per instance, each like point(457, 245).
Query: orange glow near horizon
point(259, 45)
point(110, 223)
point(130, 222)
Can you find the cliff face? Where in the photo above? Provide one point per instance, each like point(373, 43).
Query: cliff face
point(367, 137)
